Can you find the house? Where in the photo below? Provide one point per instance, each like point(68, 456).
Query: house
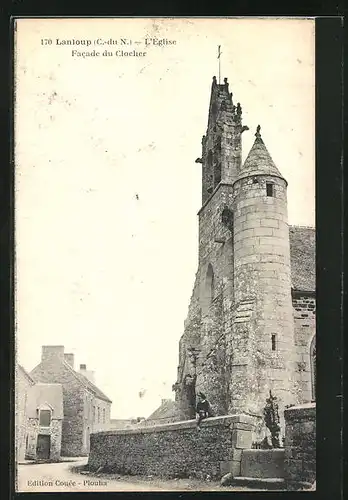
point(125, 423)
point(23, 382)
point(86, 409)
point(44, 421)
point(167, 412)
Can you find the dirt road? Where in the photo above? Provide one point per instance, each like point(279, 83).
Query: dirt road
point(58, 477)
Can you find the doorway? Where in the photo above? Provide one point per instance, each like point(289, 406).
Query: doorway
point(43, 447)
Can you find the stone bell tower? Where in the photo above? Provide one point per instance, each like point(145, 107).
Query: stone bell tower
point(213, 289)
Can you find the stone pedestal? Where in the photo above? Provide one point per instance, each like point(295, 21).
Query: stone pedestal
point(300, 444)
point(242, 427)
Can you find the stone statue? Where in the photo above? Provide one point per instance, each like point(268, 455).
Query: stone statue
point(271, 417)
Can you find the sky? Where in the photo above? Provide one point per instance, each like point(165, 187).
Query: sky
point(107, 188)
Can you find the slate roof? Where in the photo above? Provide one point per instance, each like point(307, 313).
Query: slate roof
point(50, 394)
point(302, 256)
point(258, 161)
point(26, 374)
point(88, 384)
point(167, 409)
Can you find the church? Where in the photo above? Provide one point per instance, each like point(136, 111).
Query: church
point(250, 327)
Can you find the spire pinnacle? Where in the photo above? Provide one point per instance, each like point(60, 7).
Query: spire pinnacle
point(259, 161)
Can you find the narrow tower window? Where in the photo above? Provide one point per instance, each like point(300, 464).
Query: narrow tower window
point(208, 293)
point(274, 338)
point(227, 218)
point(270, 189)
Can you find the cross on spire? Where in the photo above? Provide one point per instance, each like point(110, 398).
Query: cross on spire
point(219, 54)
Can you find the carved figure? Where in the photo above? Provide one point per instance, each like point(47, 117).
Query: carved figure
point(271, 417)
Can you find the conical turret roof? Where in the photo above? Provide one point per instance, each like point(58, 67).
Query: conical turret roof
point(258, 161)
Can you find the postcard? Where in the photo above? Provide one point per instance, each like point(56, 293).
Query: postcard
point(165, 254)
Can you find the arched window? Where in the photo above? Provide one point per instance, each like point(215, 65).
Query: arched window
point(209, 285)
point(217, 173)
point(214, 111)
point(313, 355)
point(210, 171)
point(210, 158)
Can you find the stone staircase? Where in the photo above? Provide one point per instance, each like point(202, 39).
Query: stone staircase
point(269, 483)
point(261, 469)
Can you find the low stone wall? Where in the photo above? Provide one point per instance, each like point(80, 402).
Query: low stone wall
point(175, 450)
point(300, 444)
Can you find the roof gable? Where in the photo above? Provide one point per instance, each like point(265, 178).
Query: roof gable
point(79, 377)
point(40, 395)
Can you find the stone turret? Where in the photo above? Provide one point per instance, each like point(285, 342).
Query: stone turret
point(263, 328)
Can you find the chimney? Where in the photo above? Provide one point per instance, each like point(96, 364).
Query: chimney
point(87, 373)
point(69, 358)
point(52, 353)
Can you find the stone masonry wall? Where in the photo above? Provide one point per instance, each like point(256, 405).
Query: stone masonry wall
point(304, 307)
point(175, 450)
point(55, 431)
point(21, 420)
point(300, 444)
point(204, 326)
point(96, 418)
point(54, 371)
